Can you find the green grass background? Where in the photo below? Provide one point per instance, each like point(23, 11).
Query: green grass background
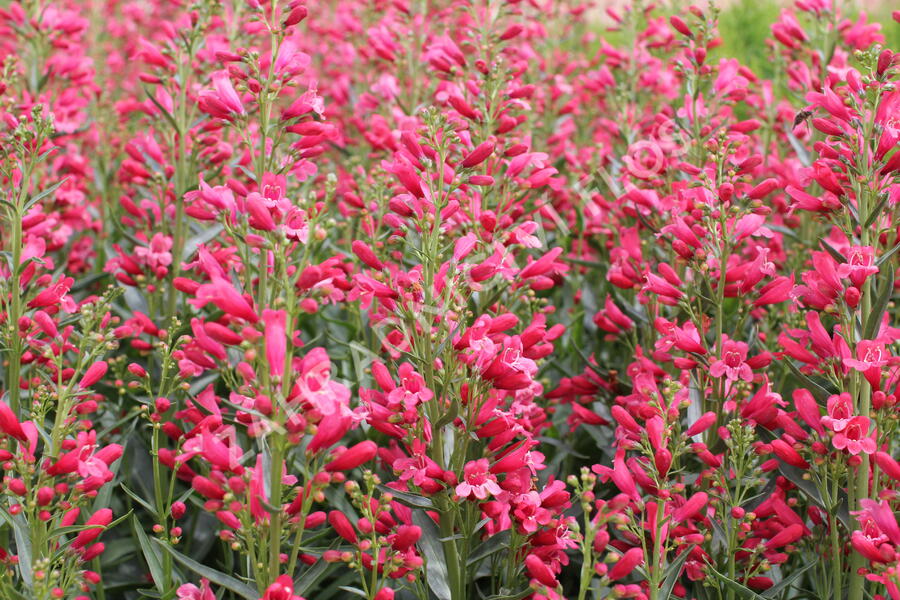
point(745, 24)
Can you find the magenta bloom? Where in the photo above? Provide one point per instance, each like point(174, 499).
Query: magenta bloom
point(189, 591)
point(869, 354)
point(860, 264)
point(477, 481)
point(733, 363)
point(276, 340)
point(840, 411)
point(223, 100)
point(855, 437)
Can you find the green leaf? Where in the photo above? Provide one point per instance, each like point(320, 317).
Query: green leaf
point(151, 555)
point(837, 256)
point(795, 476)
point(887, 255)
point(354, 590)
point(8, 592)
point(304, 582)
point(740, 589)
point(448, 416)
point(431, 549)
point(221, 579)
point(41, 195)
point(797, 145)
point(513, 596)
point(673, 570)
point(23, 548)
point(495, 543)
point(876, 210)
point(885, 291)
point(821, 393)
point(162, 110)
point(201, 238)
point(134, 496)
point(409, 499)
point(786, 582)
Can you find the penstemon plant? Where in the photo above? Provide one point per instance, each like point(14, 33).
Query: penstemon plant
point(446, 300)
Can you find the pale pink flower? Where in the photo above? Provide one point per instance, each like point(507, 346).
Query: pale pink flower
point(840, 411)
point(855, 437)
point(477, 481)
point(189, 591)
point(733, 363)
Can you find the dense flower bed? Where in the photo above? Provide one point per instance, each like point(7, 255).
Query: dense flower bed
point(450, 300)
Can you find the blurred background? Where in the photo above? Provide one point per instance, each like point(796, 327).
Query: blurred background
point(744, 25)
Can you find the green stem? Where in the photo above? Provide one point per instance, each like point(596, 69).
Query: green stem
point(658, 551)
point(587, 557)
point(864, 194)
point(179, 232)
point(835, 548)
point(15, 312)
point(451, 555)
point(275, 474)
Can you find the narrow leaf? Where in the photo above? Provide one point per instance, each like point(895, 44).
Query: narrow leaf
point(221, 579)
point(43, 194)
point(887, 255)
point(151, 555)
point(495, 543)
point(513, 596)
point(786, 582)
point(740, 589)
point(876, 210)
point(837, 256)
point(885, 291)
point(409, 499)
point(673, 570)
point(23, 548)
point(431, 549)
point(139, 500)
point(304, 582)
point(818, 391)
point(201, 238)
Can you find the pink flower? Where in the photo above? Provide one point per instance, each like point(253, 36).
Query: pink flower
point(870, 354)
point(157, 254)
point(840, 411)
point(53, 293)
point(353, 457)
point(529, 513)
point(189, 591)
point(282, 589)
point(9, 424)
point(418, 467)
point(93, 374)
point(883, 516)
point(855, 437)
point(859, 266)
point(95, 526)
point(477, 481)
point(626, 563)
point(223, 100)
point(259, 215)
point(227, 299)
point(539, 570)
point(276, 340)
point(296, 225)
point(733, 363)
